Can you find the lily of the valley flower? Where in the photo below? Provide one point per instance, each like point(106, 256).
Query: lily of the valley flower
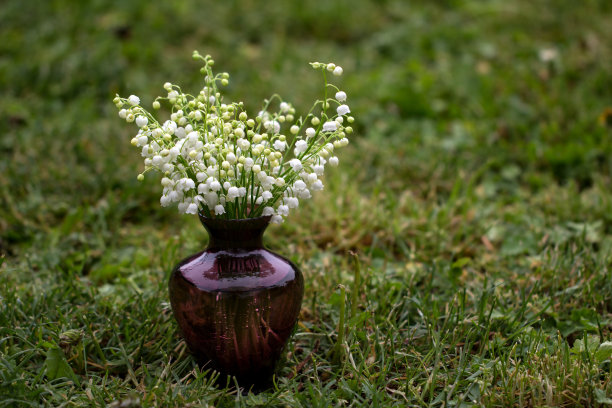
point(217, 160)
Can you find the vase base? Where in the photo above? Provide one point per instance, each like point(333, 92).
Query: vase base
point(252, 383)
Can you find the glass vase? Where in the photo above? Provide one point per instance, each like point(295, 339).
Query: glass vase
point(236, 303)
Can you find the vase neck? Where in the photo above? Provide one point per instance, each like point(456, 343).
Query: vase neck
point(235, 234)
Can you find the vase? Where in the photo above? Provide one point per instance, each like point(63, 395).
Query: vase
point(236, 303)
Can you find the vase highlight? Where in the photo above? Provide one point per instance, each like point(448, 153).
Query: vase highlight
point(236, 303)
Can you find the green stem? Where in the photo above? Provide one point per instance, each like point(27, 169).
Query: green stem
point(356, 285)
point(338, 347)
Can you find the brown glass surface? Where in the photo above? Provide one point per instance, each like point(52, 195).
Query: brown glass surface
point(236, 303)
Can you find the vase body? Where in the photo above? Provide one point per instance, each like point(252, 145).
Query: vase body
point(236, 303)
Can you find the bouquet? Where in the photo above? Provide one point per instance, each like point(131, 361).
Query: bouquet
point(217, 160)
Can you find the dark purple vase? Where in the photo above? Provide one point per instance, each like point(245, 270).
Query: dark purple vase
point(236, 303)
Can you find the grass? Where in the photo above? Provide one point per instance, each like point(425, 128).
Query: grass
point(476, 194)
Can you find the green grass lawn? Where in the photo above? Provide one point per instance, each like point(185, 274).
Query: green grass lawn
point(476, 193)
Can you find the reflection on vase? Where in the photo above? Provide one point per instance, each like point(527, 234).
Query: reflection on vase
point(236, 303)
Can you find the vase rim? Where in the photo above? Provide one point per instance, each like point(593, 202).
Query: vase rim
point(261, 218)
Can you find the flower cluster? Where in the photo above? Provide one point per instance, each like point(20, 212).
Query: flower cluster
point(216, 159)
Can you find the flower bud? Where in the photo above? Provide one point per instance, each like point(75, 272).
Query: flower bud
point(134, 100)
point(70, 337)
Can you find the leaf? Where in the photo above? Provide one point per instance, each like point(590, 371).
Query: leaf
point(580, 320)
point(57, 366)
point(457, 269)
point(601, 398)
point(518, 242)
point(358, 320)
point(592, 343)
point(461, 262)
point(591, 231)
point(604, 352)
point(105, 273)
point(70, 221)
